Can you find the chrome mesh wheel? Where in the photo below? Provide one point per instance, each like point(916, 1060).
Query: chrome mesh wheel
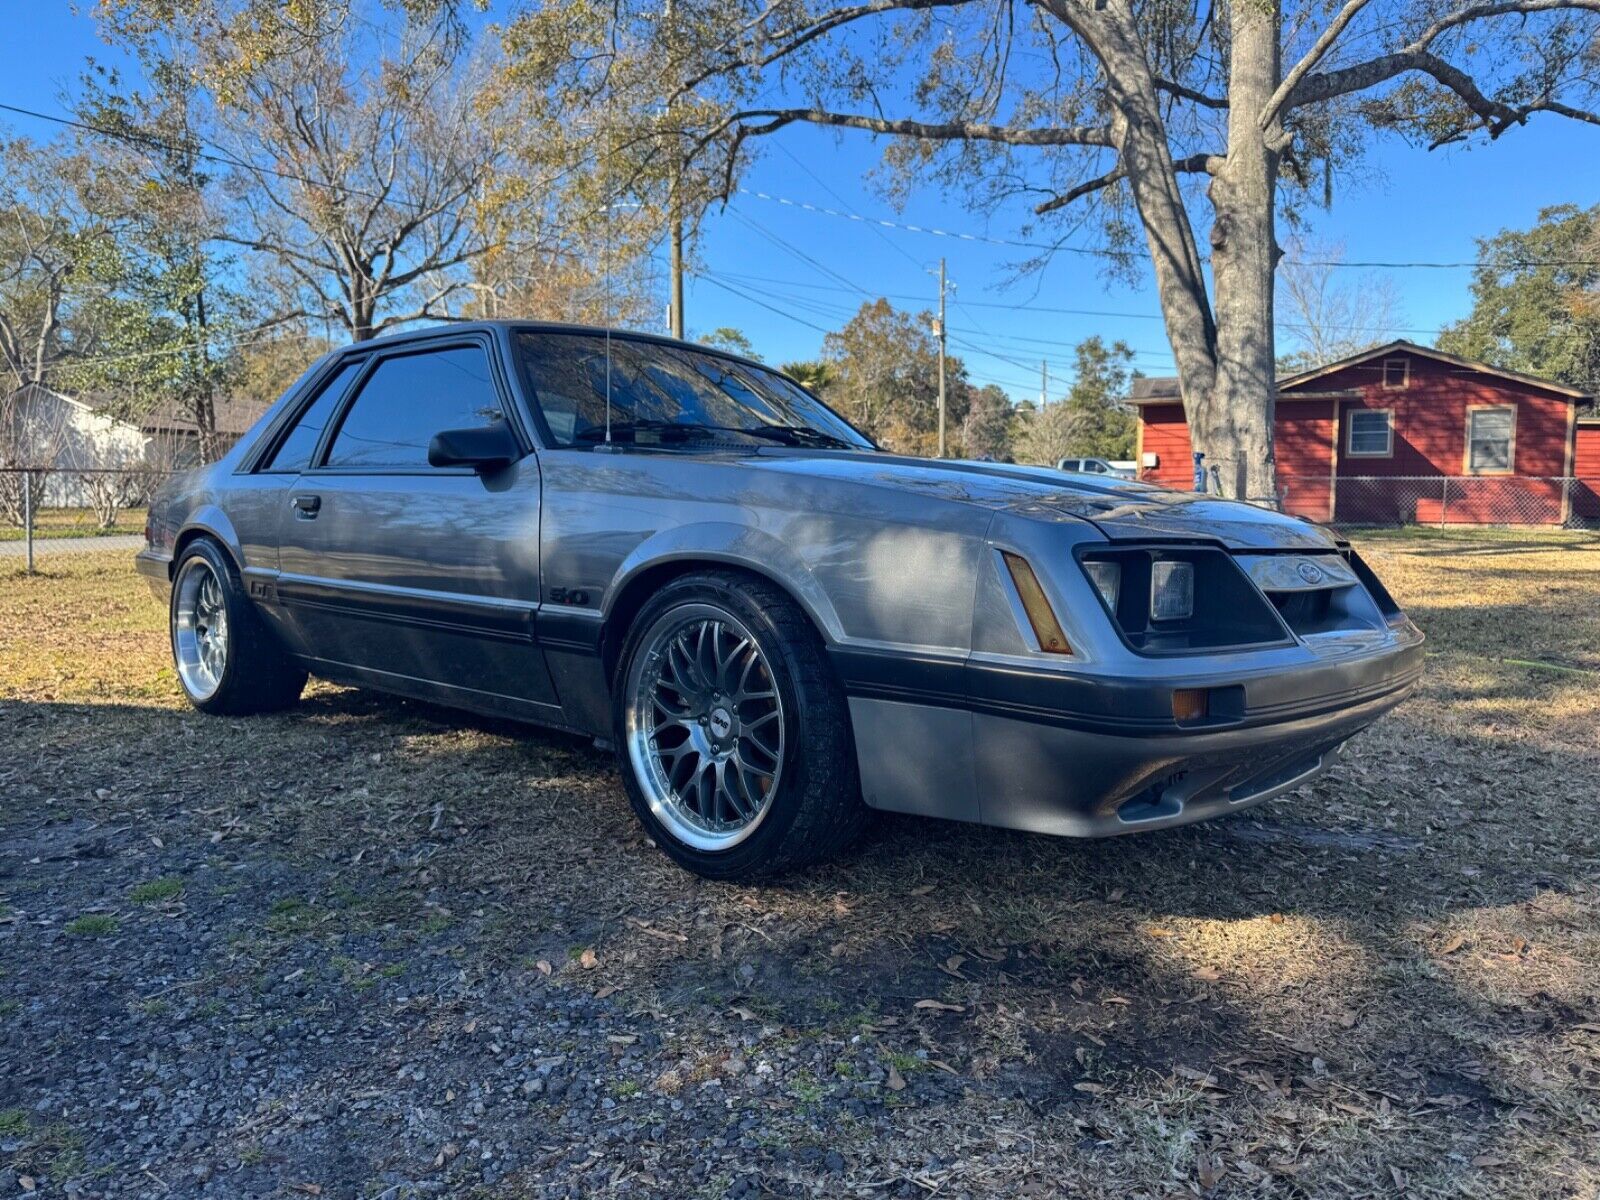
point(199, 628)
point(705, 726)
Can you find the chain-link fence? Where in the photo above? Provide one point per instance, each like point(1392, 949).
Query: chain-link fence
point(1453, 500)
point(45, 510)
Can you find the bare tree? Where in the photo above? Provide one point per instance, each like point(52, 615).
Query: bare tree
point(45, 236)
point(32, 437)
point(1329, 314)
point(362, 181)
point(1182, 123)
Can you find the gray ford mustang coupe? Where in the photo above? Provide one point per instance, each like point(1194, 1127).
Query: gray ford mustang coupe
point(777, 625)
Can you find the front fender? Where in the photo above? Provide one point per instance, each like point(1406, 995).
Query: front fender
point(731, 545)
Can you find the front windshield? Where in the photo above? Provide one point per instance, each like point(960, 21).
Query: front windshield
point(663, 394)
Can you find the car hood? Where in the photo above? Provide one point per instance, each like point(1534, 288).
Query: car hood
point(1124, 510)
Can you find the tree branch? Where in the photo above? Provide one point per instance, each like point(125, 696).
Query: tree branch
point(1495, 115)
point(1182, 91)
point(1312, 57)
point(1079, 135)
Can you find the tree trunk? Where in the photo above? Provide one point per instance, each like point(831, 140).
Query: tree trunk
point(1145, 153)
point(1231, 422)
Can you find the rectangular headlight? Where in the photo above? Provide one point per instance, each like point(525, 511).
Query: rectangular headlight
point(1107, 579)
point(1171, 590)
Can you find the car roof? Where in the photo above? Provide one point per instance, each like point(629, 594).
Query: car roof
point(458, 328)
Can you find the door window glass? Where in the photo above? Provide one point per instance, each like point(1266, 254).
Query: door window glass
point(409, 398)
point(294, 452)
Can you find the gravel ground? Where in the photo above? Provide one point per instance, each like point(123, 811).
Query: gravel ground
point(371, 948)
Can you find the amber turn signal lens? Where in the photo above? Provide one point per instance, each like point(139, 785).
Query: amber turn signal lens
point(1040, 615)
point(1190, 704)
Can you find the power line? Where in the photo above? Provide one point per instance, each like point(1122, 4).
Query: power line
point(214, 155)
point(1074, 312)
point(1369, 264)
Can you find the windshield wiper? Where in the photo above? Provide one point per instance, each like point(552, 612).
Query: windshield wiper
point(789, 435)
point(798, 435)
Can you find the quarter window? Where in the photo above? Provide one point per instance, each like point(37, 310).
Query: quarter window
point(295, 451)
point(409, 398)
point(1371, 433)
point(1491, 434)
point(1396, 372)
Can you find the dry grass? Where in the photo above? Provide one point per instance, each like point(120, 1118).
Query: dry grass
point(1385, 984)
point(74, 523)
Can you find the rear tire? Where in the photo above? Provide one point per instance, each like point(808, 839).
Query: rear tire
point(228, 662)
point(732, 732)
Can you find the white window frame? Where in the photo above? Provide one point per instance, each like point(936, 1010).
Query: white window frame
point(1511, 441)
point(1350, 433)
point(1405, 374)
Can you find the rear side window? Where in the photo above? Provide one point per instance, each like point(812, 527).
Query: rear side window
point(409, 398)
point(295, 451)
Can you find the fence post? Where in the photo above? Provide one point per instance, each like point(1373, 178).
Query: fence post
point(27, 515)
point(1444, 500)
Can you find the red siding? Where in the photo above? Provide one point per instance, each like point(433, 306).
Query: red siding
point(1166, 433)
point(1586, 467)
point(1303, 442)
point(1429, 420)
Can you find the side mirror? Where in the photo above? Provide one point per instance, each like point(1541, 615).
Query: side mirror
point(486, 448)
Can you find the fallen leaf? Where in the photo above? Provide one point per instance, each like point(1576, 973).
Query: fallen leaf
point(1116, 894)
point(939, 1005)
point(744, 1014)
point(922, 889)
point(1276, 918)
point(26, 1183)
point(588, 960)
point(896, 1081)
point(543, 966)
point(1208, 1170)
point(1094, 1089)
point(1453, 945)
point(1158, 931)
point(610, 989)
point(943, 1066)
point(1490, 1160)
point(1348, 1019)
point(952, 965)
point(471, 1026)
point(622, 1039)
point(309, 1189)
point(1116, 1000)
point(1208, 974)
point(1400, 1180)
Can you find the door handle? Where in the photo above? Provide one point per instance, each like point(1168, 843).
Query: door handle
point(306, 507)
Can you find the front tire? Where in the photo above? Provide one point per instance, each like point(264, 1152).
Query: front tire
point(732, 733)
point(227, 660)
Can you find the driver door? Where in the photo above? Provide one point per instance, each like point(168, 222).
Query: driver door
point(415, 578)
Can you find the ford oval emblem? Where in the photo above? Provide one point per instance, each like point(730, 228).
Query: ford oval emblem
point(1310, 572)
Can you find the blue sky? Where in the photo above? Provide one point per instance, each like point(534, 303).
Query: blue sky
point(1404, 205)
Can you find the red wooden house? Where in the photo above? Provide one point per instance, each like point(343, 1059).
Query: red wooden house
point(1407, 433)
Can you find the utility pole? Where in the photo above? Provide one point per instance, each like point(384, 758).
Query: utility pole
point(1044, 382)
point(675, 309)
point(941, 358)
point(677, 265)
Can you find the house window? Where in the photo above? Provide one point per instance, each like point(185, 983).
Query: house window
point(1491, 439)
point(1396, 373)
point(1371, 433)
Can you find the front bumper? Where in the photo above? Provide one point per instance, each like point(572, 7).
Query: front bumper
point(1053, 752)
